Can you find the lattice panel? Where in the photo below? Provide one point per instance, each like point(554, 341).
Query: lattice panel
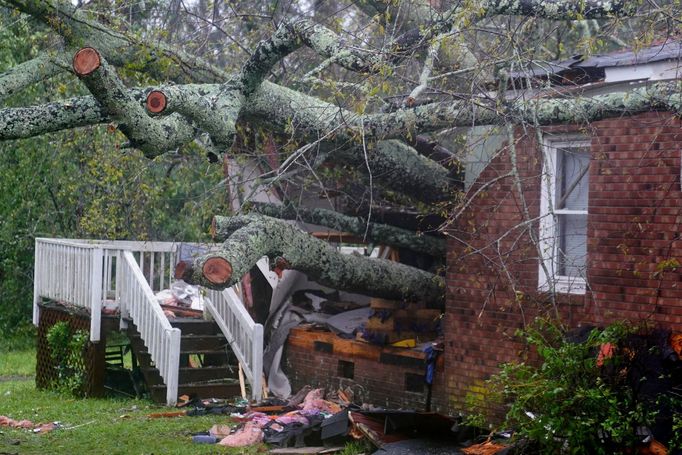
point(93, 360)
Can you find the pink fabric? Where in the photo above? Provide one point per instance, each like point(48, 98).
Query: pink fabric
point(9, 422)
point(27, 424)
point(315, 394)
point(314, 403)
point(259, 418)
point(249, 435)
point(322, 406)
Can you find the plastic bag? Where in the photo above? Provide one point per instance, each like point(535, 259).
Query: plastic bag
point(183, 295)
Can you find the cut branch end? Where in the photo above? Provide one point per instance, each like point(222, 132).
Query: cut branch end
point(217, 270)
point(183, 269)
point(86, 61)
point(156, 102)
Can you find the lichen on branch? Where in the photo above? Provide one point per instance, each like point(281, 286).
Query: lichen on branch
point(250, 237)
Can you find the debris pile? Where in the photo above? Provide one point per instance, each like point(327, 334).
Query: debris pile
point(315, 422)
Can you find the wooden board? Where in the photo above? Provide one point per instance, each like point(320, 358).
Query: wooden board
point(344, 348)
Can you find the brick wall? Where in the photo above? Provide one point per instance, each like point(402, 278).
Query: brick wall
point(387, 377)
point(634, 241)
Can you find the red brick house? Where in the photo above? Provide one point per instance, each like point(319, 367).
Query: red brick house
point(590, 230)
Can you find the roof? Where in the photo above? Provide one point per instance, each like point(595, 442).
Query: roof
point(582, 69)
point(669, 50)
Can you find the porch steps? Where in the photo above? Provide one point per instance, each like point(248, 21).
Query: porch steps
point(201, 344)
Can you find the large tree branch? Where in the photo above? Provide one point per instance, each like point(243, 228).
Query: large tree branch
point(541, 111)
point(311, 116)
point(157, 60)
point(40, 68)
point(152, 136)
point(251, 237)
point(398, 166)
point(289, 37)
point(393, 163)
point(373, 232)
point(214, 109)
point(559, 9)
point(25, 122)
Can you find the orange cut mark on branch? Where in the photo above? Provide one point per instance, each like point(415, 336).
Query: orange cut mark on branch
point(86, 61)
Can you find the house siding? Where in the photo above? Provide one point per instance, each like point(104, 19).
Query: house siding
point(634, 238)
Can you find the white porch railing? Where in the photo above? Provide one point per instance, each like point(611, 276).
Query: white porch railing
point(85, 273)
point(244, 335)
point(69, 271)
point(161, 339)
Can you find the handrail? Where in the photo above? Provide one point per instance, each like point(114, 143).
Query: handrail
point(161, 339)
point(135, 245)
point(243, 334)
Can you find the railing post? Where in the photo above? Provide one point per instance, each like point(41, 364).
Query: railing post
point(123, 309)
point(96, 294)
point(257, 363)
point(173, 367)
point(37, 278)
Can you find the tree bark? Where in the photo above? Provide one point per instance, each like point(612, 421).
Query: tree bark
point(373, 232)
point(40, 68)
point(251, 237)
point(152, 136)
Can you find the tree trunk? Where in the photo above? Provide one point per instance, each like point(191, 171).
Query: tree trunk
point(251, 237)
point(374, 232)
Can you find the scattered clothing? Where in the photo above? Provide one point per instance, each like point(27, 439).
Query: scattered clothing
point(248, 435)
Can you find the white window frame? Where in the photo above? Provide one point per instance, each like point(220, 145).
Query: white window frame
point(548, 223)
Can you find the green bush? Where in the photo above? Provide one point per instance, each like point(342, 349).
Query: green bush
point(67, 349)
point(569, 403)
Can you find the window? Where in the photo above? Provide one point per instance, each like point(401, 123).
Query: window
point(345, 369)
point(414, 382)
point(563, 225)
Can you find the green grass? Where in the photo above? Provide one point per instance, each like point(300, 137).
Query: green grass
point(18, 363)
point(96, 426)
point(106, 426)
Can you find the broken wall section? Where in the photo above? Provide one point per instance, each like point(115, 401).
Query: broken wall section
point(388, 377)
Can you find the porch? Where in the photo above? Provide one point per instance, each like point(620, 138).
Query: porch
point(89, 275)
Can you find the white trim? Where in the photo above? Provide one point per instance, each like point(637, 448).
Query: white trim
point(548, 241)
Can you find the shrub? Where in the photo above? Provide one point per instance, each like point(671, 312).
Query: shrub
point(67, 350)
point(577, 400)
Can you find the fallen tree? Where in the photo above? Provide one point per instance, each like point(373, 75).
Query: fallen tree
point(185, 99)
point(250, 237)
point(378, 233)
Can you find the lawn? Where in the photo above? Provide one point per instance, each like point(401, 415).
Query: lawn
point(92, 426)
point(96, 426)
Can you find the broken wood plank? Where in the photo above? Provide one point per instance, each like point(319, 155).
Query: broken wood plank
point(266, 390)
point(242, 384)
